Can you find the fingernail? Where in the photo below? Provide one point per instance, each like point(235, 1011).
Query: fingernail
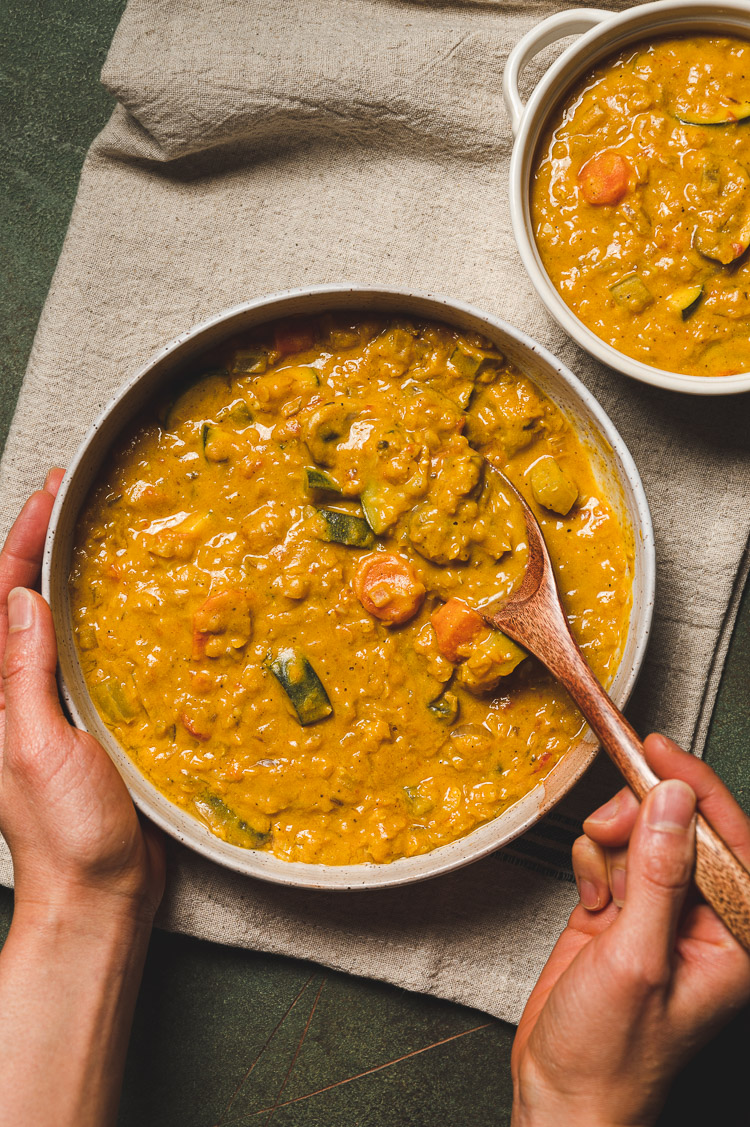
point(607, 812)
point(50, 480)
point(670, 806)
point(617, 882)
point(20, 609)
point(589, 894)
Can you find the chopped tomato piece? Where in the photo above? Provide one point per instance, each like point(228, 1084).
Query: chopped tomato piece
point(605, 178)
point(293, 336)
point(388, 588)
point(456, 625)
point(541, 762)
point(220, 624)
point(197, 728)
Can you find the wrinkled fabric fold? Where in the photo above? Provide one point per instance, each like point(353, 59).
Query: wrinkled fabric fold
point(352, 70)
point(259, 147)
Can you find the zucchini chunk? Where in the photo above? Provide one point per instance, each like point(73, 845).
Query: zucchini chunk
point(721, 246)
point(215, 442)
point(725, 115)
point(302, 685)
point(318, 481)
point(474, 365)
point(463, 394)
point(433, 400)
point(249, 361)
point(685, 300)
point(552, 487)
point(631, 293)
point(304, 377)
point(417, 802)
point(237, 413)
point(220, 816)
point(207, 433)
point(343, 528)
point(464, 363)
point(728, 357)
point(328, 425)
point(445, 707)
point(489, 660)
point(112, 698)
point(378, 506)
point(87, 637)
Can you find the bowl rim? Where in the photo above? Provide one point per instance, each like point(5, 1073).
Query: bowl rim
point(619, 28)
point(530, 808)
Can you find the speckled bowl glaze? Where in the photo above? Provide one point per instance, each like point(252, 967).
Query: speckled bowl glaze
point(614, 465)
point(603, 34)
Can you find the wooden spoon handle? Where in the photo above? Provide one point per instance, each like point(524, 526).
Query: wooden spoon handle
point(723, 880)
point(720, 876)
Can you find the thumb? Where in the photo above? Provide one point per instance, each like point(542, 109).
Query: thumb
point(661, 857)
point(32, 706)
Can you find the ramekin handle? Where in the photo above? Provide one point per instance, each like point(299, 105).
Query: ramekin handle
point(562, 24)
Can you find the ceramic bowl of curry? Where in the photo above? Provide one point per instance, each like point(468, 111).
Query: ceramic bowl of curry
point(264, 564)
point(630, 196)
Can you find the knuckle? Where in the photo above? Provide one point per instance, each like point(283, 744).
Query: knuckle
point(654, 971)
point(642, 969)
point(27, 762)
point(580, 849)
point(586, 857)
point(15, 664)
point(36, 757)
point(650, 975)
point(667, 865)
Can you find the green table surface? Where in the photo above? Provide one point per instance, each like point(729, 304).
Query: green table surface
point(232, 1037)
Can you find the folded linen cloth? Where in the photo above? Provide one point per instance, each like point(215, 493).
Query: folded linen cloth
point(270, 146)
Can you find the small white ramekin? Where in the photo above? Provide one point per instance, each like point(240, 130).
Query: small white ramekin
point(613, 463)
point(603, 34)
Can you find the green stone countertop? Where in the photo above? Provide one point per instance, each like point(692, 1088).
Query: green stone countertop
point(224, 1037)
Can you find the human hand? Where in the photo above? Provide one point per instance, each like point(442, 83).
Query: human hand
point(71, 826)
point(88, 874)
point(645, 972)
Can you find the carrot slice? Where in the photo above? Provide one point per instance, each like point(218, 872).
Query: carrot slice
point(293, 336)
point(456, 625)
point(605, 178)
point(388, 588)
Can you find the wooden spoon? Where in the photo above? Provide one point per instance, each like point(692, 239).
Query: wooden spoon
point(533, 616)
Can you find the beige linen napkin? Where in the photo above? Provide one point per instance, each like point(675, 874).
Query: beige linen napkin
point(262, 146)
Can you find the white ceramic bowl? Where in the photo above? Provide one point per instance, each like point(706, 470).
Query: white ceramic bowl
point(603, 34)
point(616, 470)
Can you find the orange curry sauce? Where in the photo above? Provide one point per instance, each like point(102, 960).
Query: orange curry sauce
point(273, 584)
point(641, 204)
